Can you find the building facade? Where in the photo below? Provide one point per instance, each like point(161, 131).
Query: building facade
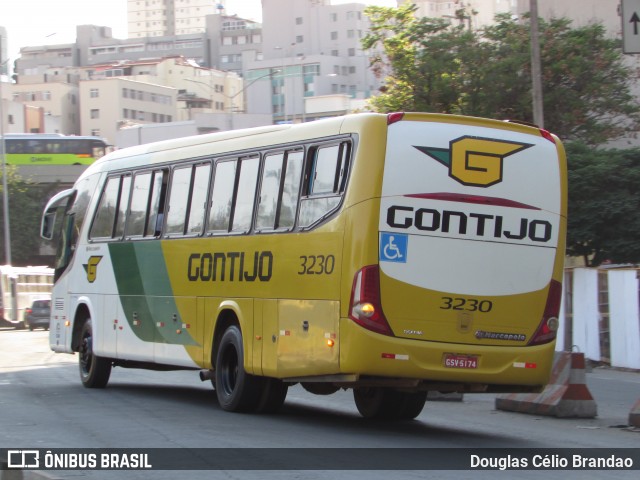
point(157, 18)
point(111, 103)
point(480, 13)
point(309, 48)
point(57, 100)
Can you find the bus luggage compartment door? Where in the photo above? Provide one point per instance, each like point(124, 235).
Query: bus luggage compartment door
point(307, 337)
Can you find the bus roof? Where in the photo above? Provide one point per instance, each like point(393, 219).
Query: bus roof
point(50, 136)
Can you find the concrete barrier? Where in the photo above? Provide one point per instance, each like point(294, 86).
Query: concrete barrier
point(566, 395)
point(634, 415)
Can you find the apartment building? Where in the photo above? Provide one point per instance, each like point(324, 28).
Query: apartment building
point(57, 100)
point(112, 103)
point(3, 51)
point(309, 48)
point(479, 13)
point(157, 18)
point(224, 43)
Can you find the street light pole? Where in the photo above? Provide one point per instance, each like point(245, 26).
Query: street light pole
point(5, 190)
point(536, 68)
point(5, 198)
point(232, 97)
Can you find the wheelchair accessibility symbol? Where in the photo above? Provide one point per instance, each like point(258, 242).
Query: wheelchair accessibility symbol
point(393, 247)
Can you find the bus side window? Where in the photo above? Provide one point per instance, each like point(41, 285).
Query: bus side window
point(187, 200)
point(178, 201)
point(245, 195)
point(123, 203)
point(224, 182)
point(198, 201)
point(139, 204)
point(291, 189)
point(279, 191)
point(325, 182)
point(110, 214)
point(157, 203)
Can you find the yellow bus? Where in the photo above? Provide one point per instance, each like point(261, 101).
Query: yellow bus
point(391, 254)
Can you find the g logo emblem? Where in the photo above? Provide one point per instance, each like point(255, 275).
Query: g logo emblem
point(475, 161)
point(92, 268)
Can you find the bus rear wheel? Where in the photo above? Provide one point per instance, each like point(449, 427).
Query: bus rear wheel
point(237, 391)
point(388, 404)
point(94, 370)
point(274, 393)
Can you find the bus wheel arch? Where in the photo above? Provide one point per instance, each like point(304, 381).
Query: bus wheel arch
point(226, 318)
point(82, 315)
point(94, 370)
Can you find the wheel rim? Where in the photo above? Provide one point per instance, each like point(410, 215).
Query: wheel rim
point(229, 370)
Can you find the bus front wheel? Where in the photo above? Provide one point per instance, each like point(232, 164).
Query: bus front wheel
point(237, 391)
point(94, 371)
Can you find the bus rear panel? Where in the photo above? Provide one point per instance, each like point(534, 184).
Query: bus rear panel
point(465, 289)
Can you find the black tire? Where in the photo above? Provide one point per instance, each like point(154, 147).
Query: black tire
point(94, 371)
point(411, 404)
point(274, 393)
point(388, 404)
point(237, 391)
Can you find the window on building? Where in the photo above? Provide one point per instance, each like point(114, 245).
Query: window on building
point(299, 20)
point(95, 113)
point(299, 39)
point(352, 52)
point(334, 35)
point(94, 93)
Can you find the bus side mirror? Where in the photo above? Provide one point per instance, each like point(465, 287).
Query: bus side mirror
point(48, 221)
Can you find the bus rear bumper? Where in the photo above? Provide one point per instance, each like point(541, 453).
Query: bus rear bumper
point(443, 366)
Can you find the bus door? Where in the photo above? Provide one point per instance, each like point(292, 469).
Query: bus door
point(59, 222)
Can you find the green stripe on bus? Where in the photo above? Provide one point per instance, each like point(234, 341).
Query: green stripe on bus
point(144, 288)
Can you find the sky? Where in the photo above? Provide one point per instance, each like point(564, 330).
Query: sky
point(46, 22)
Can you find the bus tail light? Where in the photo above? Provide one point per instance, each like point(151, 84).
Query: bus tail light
point(547, 135)
point(366, 308)
point(548, 327)
point(394, 117)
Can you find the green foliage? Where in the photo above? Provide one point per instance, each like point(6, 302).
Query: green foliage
point(25, 210)
point(429, 65)
point(604, 200)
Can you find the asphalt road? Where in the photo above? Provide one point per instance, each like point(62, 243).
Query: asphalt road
point(44, 406)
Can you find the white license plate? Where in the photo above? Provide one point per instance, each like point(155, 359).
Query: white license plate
point(460, 361)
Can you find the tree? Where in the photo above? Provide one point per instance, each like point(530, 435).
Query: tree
point(429, 65)
point(604, 200)
point(25, 211)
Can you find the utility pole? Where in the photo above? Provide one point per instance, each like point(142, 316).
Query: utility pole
point(536, 69)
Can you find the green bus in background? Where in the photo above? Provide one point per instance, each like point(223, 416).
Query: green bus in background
point(53, 149)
